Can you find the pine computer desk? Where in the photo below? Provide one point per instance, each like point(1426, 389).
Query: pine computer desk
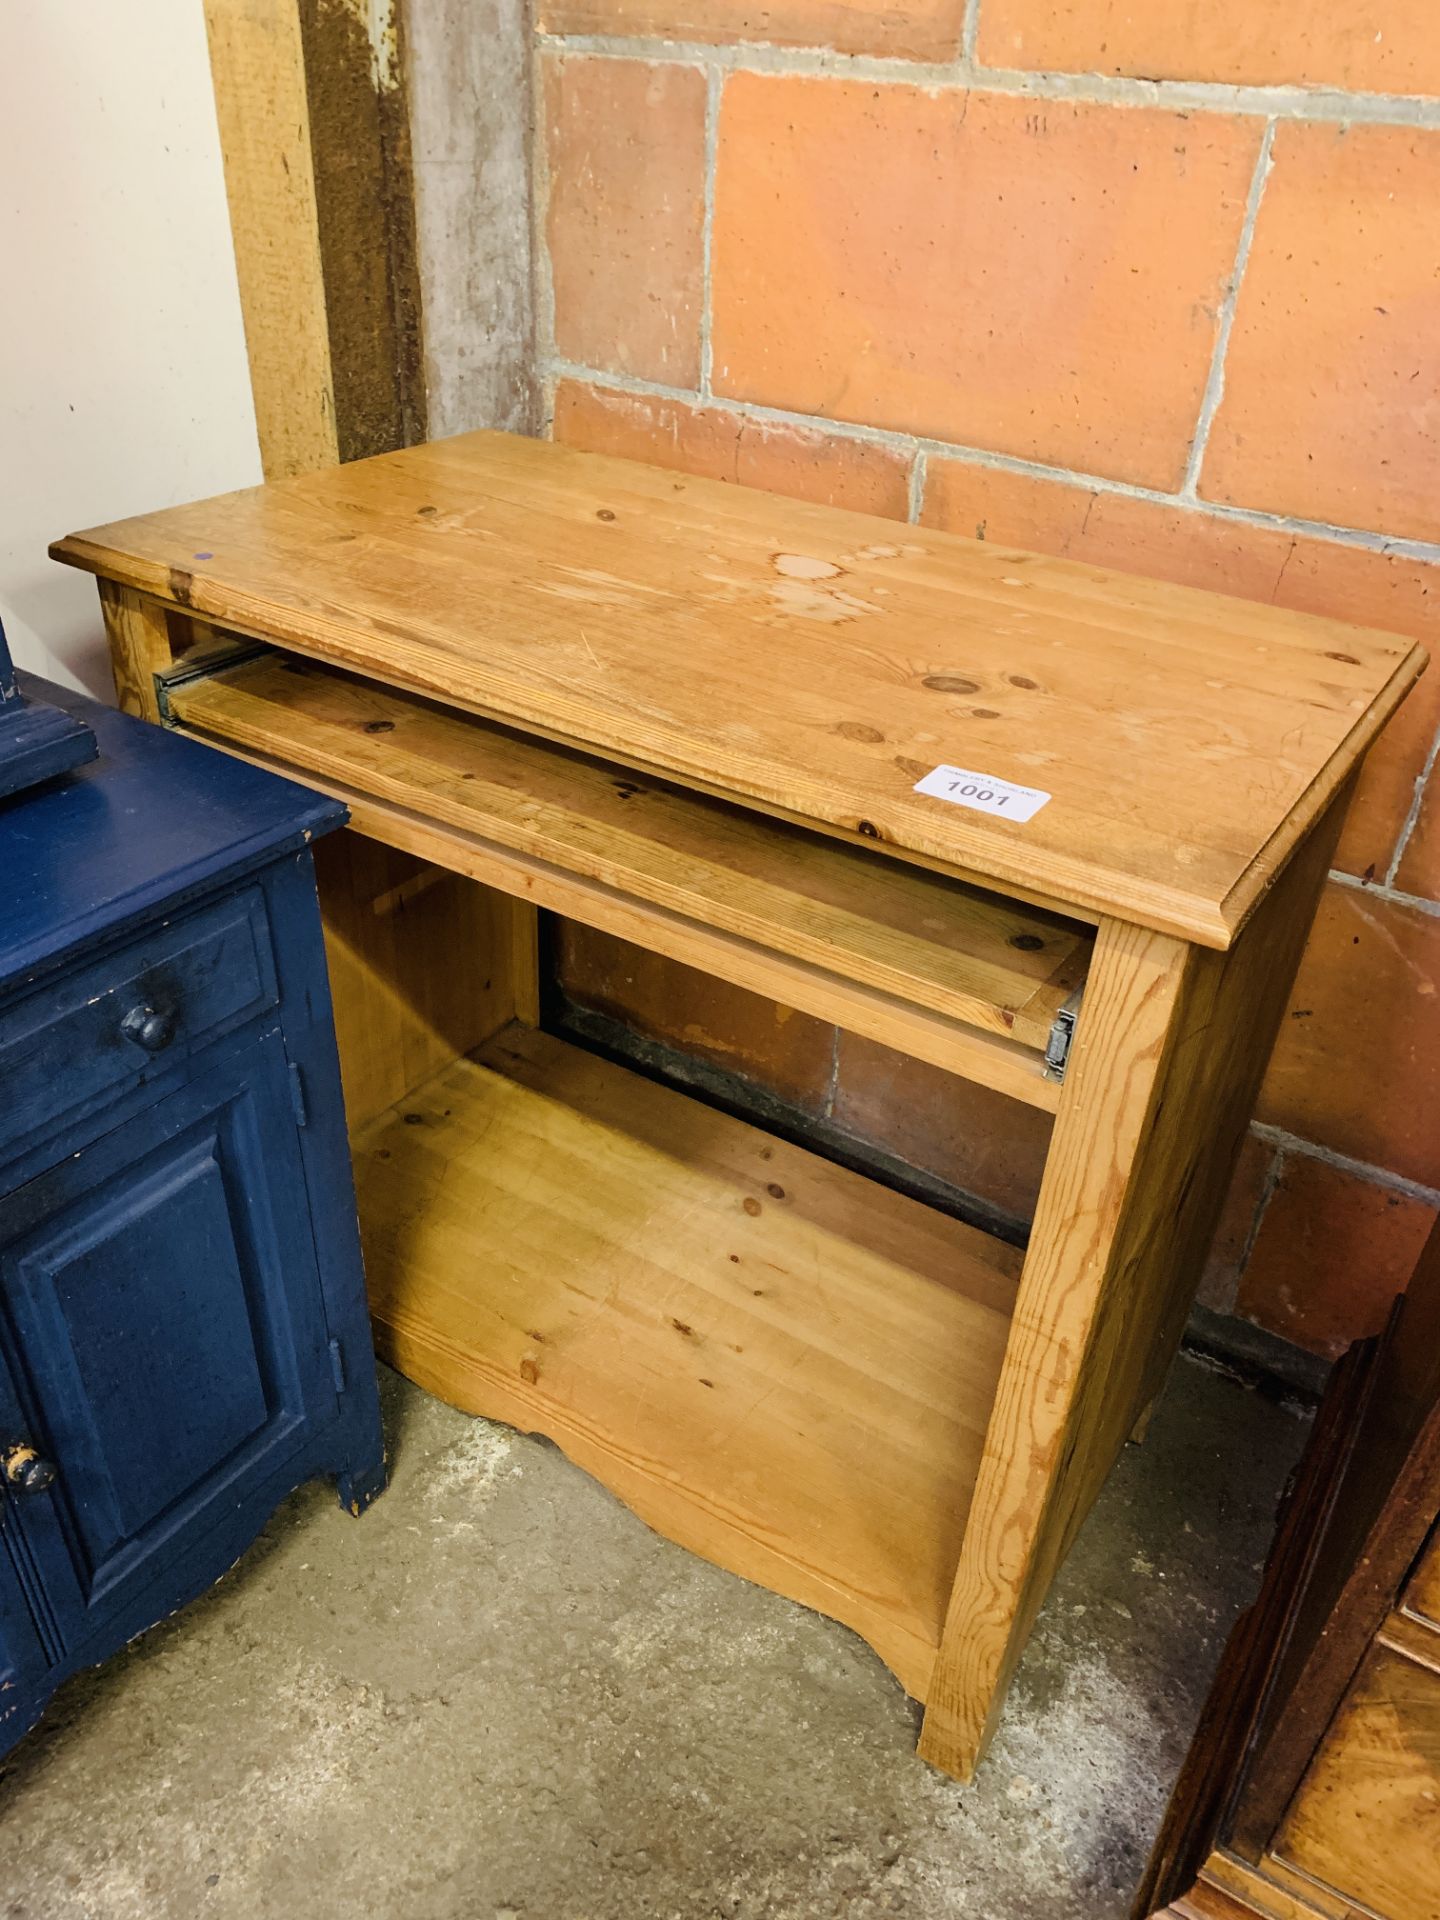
point(709, 720)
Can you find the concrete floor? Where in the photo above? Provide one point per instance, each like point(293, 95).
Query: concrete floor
point(499, 1696)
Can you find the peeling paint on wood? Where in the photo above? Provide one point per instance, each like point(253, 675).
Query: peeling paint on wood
point(360, 147)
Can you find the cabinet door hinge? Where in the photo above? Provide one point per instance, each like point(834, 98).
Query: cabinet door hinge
point(337, 1365)
point(297, 1096)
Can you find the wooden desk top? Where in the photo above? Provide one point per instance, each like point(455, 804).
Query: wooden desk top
point(813, 662)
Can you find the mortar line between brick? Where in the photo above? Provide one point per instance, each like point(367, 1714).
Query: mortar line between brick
point(714, 80)
point(915, 497)
point(1345, 1163)
point(1200, 96)
point(1267, 1193)
point(1382, 890)
point(969, 35)
point(546, 384)
point(1416, 800)
point(908, 443)
point(542, 279)
point(1215, 382)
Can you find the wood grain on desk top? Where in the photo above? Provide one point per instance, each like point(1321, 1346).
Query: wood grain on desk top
point(813, 661)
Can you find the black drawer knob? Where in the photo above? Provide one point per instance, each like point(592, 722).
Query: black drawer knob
point(149, 1028)
point(24, 1470)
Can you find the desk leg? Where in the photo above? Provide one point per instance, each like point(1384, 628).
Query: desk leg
point(1168, 1057)
point(525, 961)
point(139, 635)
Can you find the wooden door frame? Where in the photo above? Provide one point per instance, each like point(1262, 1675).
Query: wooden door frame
point(314, 133)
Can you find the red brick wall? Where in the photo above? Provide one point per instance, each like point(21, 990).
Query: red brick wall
point(1154, 286)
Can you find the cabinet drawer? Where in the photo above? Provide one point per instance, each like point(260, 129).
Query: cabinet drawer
point(102, 1028)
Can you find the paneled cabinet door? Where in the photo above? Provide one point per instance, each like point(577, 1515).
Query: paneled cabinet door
point(162, 1320)
point(23, 1657)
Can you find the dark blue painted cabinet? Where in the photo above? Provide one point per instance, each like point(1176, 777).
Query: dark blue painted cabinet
point(183, 1335)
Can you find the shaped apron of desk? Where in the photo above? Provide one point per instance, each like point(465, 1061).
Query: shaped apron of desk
point(710, 721)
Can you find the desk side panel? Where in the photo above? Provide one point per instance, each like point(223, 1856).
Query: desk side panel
point(424, 966)
point(1166, 1066)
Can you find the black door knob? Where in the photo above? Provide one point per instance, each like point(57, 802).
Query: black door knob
point(24, 1470)
point(149, 1028)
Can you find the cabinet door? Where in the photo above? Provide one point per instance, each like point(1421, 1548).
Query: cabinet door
point(1366, 1820)
point(161, 1313)
point(1422, 1596)
point(23, 1656)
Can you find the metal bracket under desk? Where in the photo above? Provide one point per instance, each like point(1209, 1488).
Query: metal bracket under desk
point(1062, 1035)
point(202, 666)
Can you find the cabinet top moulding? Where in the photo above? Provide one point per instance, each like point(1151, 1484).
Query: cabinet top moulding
point(812, 662)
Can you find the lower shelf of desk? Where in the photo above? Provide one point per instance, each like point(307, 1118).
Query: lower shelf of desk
point(771, 1360)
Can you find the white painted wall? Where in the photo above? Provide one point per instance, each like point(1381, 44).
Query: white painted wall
point(123, 380)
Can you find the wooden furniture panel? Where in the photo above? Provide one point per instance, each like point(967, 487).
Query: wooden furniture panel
point(756, 646)
point(164, 1318)
point(1160, 1088)
point(1007, 1066)
point(1367, 1816)
point(772, 1361)
point(1380, 1511)
point(138, 631)
point(1003, 1064)
point(37, 741)
point(1312, 1789)
point(533, 635)
point(125, 1018)
point(423, 966)
point(1231, 1890)
point(971, 956)
point(1422, 1596)
point(257, 65)
point(183, 1334)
